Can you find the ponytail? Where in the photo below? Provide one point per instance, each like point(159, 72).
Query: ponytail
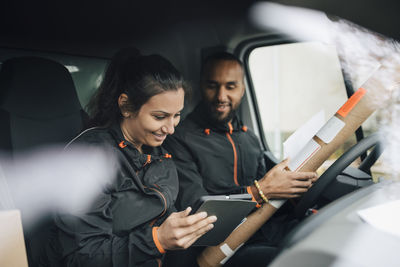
point(103, 107)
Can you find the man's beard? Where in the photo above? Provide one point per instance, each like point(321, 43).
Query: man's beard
point(215, 116)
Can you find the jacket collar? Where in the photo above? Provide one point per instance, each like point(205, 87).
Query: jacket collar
point(202, 117)
point(139, 159)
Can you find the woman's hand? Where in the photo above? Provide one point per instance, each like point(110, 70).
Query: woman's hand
point(281, 183)
point(180, 230)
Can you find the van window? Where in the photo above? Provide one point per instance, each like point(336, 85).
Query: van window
point(291, 83)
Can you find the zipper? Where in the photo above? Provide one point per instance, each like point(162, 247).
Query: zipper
point(228, 134)
point(165, 204)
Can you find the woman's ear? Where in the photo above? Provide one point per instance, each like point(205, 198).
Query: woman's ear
point(123, 104)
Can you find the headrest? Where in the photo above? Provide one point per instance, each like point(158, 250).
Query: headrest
point(37, 88)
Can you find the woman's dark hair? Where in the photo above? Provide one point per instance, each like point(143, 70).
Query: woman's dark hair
point(139, 77)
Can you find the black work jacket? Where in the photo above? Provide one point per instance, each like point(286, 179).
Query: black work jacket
point(213, 159)
point(118, 228)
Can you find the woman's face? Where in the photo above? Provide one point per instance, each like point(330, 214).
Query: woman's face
point(157, 118)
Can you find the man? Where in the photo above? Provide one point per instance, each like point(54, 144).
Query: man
point(216, 154)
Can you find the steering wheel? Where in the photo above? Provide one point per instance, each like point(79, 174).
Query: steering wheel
point(310, 198)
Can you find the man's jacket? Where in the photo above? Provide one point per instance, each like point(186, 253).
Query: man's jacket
point(119, 228)
point(213, 158)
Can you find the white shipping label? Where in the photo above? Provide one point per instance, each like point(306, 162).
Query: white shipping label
point(277, 203)
point(304, 155)
point(330, 129)
point(228, 252)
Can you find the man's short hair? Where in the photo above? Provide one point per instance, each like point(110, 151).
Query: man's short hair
point(219, 56)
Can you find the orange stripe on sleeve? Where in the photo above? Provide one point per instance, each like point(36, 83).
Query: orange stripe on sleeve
point(351, 102)
point(252, 196)
point(155, 239)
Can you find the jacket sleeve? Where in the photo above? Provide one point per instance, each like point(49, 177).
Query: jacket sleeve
point(190, 181)
point(144, 240)
point(144, 244)
point(86, 240)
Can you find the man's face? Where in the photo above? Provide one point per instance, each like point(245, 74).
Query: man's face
point(223, 88)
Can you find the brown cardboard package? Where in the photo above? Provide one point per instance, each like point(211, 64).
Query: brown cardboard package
point(12, 245)
point(351, 115)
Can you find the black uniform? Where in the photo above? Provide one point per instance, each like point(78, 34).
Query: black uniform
point(213, 159)
point(119, 229)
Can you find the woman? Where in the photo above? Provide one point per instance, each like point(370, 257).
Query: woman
point(132, 223)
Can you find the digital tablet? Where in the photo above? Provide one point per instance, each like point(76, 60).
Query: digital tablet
point(230, 211)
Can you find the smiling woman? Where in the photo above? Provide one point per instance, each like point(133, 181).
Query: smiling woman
point(132, 222)
point(154, 121)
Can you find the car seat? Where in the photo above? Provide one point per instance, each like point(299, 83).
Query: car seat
point(38, 106)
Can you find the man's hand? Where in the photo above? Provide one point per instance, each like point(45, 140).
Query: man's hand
point(180, 230)
point(280, 183)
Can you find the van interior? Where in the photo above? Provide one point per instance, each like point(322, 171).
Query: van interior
point(53, 56)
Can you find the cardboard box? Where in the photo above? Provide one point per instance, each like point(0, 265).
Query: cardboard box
point(12, 244)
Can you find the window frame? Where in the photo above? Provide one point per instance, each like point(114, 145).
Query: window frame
point(243, 50)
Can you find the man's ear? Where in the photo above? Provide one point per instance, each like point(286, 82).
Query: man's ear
point(123, 104)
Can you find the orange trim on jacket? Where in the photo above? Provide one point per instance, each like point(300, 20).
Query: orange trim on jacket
point(148, 160)
point(234, 153)
point(122, 144)
point(165, 203)
point(230, 128)
point(156, 241)
point(252, 196)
